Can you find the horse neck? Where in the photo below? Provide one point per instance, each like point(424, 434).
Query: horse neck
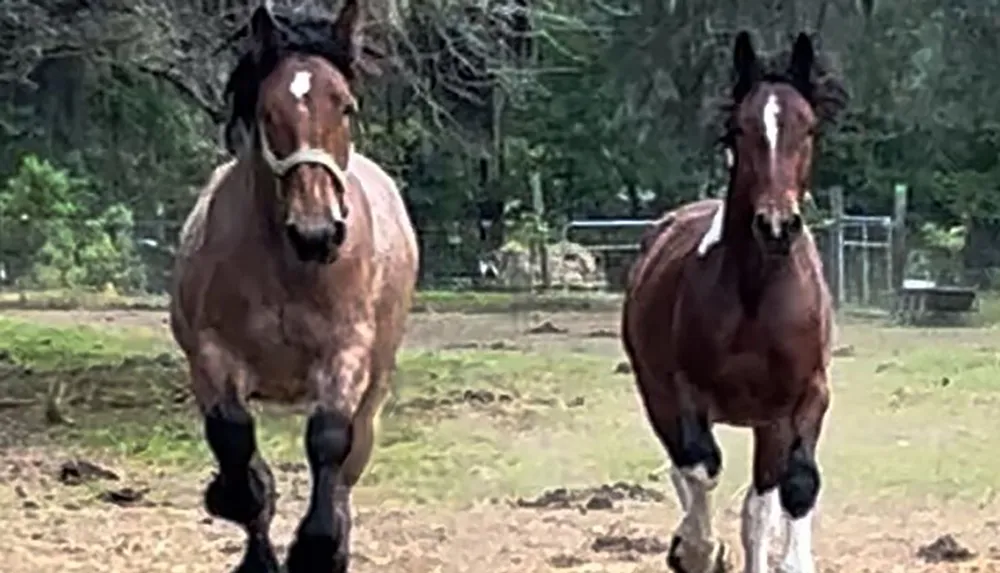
point(244, 203)
point(743, 259)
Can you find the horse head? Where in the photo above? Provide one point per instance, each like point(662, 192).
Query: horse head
point(773, 122)
point(293, 90)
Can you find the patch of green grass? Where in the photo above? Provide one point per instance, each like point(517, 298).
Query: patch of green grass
point(69, 299)
point(55, 347)
point(469, 302)
point(914, 414)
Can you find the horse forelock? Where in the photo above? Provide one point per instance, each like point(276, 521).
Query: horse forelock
point(310, 35)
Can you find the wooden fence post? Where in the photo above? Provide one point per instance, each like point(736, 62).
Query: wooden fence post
point(899, 236)
point(837, 244)
point(538, 202)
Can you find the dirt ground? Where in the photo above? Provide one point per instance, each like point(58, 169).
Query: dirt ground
point(49, 527)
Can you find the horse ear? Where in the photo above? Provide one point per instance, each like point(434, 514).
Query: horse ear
point(345, 29)
point(803, 58)
point(262, 28)
point(745, 64)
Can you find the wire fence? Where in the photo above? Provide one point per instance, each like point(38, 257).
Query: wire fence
point(137, 258)
point(69, 253)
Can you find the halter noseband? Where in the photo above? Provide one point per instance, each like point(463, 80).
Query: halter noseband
point(303, 156)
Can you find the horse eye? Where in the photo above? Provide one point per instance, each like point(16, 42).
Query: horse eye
point(350, 109)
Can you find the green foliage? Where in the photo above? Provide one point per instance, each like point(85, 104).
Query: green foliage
point(610, 106)
point(56, 235)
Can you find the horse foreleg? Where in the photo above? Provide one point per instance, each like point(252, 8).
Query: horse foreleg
point(785, 486)
point(761, 511)
point(243, 491)
point(696, 466)
point(798, 488)
point(322, 541)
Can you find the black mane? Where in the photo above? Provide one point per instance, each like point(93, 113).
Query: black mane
point(308, 34)
point(824, 91)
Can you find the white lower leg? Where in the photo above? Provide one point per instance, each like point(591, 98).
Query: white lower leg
point(696, 526)
point(761, 513)
point(680, 485)
point(798, 556)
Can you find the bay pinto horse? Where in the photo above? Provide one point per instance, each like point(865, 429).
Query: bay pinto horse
point(293, 283)
point(727, 319)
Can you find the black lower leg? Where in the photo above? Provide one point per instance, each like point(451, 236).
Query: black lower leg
point(322, 542)
point(799, 486)
point(694, 444)
point(243, 491)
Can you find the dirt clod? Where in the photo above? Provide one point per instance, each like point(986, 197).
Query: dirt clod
point(491, 345)
point(844, 351)
point(125, 497)
point(76, 472)
point(547, 328)
point(593, 498)
point(475, 397)
point(633, 545)
point(945, 549)
point(566, 561)
point(623, 367)
point(602, 333)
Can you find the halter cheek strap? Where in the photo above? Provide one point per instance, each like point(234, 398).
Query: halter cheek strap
point(305, 155)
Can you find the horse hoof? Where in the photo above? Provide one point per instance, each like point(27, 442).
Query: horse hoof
point(259, 557)
point(707, 557)
point(316, 553)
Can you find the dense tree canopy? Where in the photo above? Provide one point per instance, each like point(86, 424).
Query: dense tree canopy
point(110, 109)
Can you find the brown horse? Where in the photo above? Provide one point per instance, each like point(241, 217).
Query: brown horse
point(293, 283)
point(728, 320)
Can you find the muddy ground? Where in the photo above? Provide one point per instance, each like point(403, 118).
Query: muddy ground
point(48, 526)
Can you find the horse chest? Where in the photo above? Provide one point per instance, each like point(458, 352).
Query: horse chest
point(281, 345)
point(747, 369)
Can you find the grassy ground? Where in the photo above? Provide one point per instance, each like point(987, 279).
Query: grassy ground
point(486, 411)
point(468, 302)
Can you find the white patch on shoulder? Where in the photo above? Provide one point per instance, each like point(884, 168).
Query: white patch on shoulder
point(771, 111)
point(714, 233)
point(301, 84)
point(730, 158)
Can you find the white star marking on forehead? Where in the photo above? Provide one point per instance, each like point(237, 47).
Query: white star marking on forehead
point(771, 111)
point(301, 84)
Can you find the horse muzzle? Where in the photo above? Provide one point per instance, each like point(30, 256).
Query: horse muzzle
point(317, 243)
point(776, 232)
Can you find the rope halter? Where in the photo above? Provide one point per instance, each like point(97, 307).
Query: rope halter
point(303, 156)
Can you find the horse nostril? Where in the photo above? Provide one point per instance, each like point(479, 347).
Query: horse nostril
point(761, 224)
point(794, 225)
point(339, 233)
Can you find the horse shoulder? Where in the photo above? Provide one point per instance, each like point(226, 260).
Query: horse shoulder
point(193, 230)
point(666, 246)
point(393, 232)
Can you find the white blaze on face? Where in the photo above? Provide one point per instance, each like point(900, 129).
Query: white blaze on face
point(771, 111)
point(301, 84)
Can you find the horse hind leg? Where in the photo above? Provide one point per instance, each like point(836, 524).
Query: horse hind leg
point(243, 491)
